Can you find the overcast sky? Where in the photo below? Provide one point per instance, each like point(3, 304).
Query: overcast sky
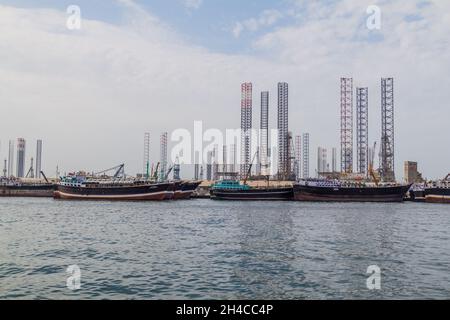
point(138, 66)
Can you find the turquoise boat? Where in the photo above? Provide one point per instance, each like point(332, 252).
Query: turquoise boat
point(235, 190)
point(230, 185)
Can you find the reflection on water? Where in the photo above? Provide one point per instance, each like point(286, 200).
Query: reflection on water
point(204, 249)
point(266, 255)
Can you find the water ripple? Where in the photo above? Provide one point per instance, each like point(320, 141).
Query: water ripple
point(203, 249)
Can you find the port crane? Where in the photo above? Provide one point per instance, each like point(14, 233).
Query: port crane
point(119, 171)
point(249, 169)
point(45, 177)
point(168, 173)
point(172, 168)
point(30, 173)
point(155, 174)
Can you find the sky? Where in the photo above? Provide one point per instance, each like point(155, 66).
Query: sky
point(154, 66)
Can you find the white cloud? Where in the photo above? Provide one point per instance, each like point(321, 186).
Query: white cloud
point(90, 94)
point(237, 29)
point(266, 19)
point(329, 41)
point(192, 4)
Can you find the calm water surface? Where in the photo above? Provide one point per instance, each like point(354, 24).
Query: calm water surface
point(201, 249)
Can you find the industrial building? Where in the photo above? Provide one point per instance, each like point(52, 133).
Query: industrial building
point(196, 171)
point(334, 160)
point(197, 165)
point(305, 149)
point(21, 148)
point(38, 159)
point(233, 157)
point(209, 165)
point(410, 172)
point(201, 173)
point(11, 158)
point(215, 167)
point(322, 162)
point(224, 158)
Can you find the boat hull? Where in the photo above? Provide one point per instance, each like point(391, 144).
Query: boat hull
point(437, 195)
point(416, 196)
point(155, 192)
point(257, 194)
point(37, 191)
point(350, 194)
point(170, 192)
point(186, 189)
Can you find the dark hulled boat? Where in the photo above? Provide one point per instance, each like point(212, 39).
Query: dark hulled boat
point(19, 189)
point(439, 192)
point(171, 190)
point(324, 190)
point(437, 195)
point(234, 190)
point(78, 188)
point(186, 189)
point(416, 193)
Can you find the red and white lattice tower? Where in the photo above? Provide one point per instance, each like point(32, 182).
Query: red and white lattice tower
point(246, 126)
point(283, 131)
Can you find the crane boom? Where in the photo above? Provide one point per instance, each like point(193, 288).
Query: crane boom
point(155, 174)
point(45, 178)
point(168, 172)
point(249, 169)
point(119, 170)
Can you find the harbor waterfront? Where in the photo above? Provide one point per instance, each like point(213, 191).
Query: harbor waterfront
point(222, 250)
point(224, 159)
